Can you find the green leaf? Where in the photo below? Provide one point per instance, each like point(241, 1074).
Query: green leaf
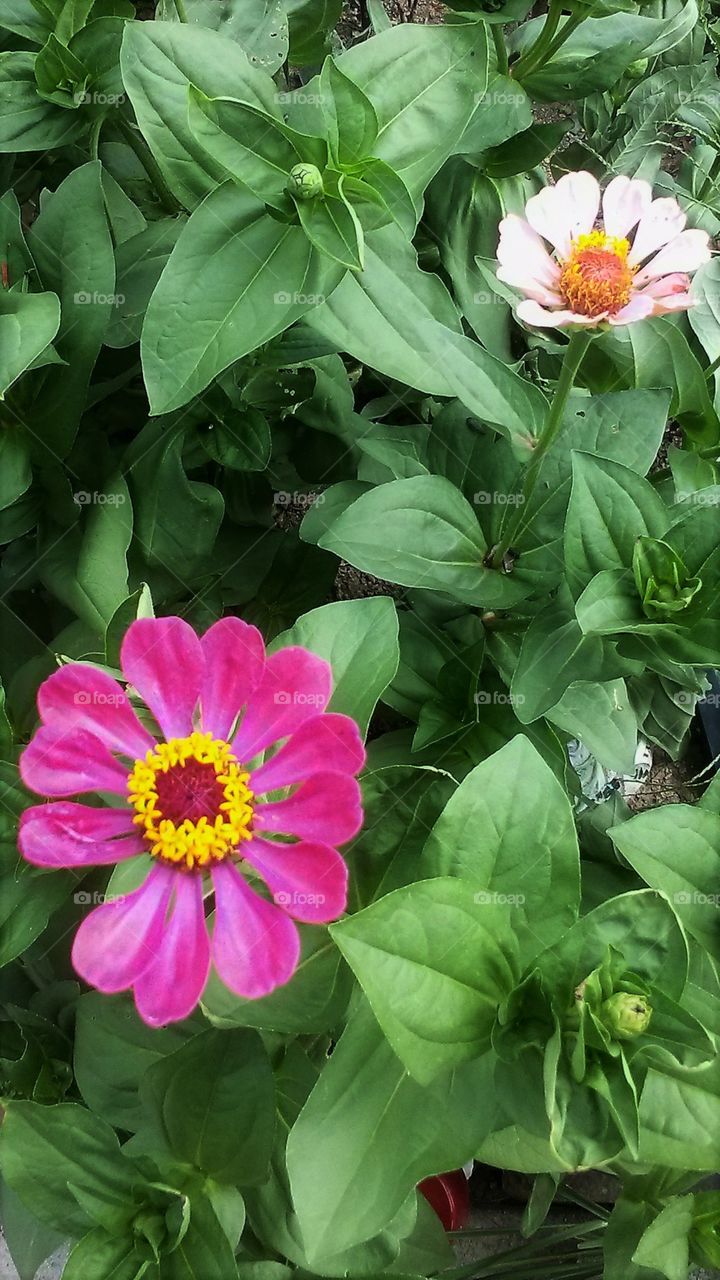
point(260, 27)
point(235, 279)
point(176, 519)
point(60, 76)
point(29, 1242)
point(250, 145)
point(650, 841)
point(113, 1050)
point(601, 715)
point(680, 1118)
point(489, 389)
point(610, 507)
point(27, 121)
point(350, 116)
point(141, 259)
point(333, 227)
point(365, 1102)
point(435, 964)
point(422, 113)
point(502, 808)
point(159, 61)
point(48, 1153)
point(73, 251)
point(226, 1126)
point(204, 1253)
point(99, 1256)
point(380, 317)
point(421, 533)
point(28, 897)
point(359, 638)
point(664, 1245)
point(102, 572)
point(28, 324)
point(526, 150)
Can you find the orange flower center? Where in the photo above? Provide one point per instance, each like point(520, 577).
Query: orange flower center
point(596, 278)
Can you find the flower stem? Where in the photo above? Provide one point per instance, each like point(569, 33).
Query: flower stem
point(536, 52)
point(574, 352)
point(151, 167)
point(500, 48)
point(180, 10)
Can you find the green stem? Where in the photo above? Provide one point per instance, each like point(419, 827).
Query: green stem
point(548, 53)
point(536, 52)
point(500, 48)
point(712, 368)
point(151, 167)
point(712, 176)
point(180, 10)
point(574, 352)
point(94, 141)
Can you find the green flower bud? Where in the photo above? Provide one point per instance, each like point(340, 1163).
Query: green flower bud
point(661, 579)
point(305, 182)
point(626, 1016)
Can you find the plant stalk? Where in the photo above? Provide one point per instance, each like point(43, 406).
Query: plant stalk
point(151, 167)
point(500, 48)
point(537, 51)
point(574, 352)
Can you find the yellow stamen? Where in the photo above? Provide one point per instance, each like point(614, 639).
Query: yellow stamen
point(597, 278)
point(172, 786)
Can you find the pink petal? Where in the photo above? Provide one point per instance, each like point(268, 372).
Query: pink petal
point(663, 221)
point(66, 834)
point(638, 308)
point(327, 741)
point(674, 302)
point(531, 313)
point(255, 946)
point(307, 880)
point(171, 986)
point(59, 762)
point(81, 697)
point(687, 252)
point(162, 658)
point(325, 808)
point(565, 211)
point(624, 203)
point(234, 664)
point(118, 940)
point(524, 260)
point(678, 282)
point(296, 686)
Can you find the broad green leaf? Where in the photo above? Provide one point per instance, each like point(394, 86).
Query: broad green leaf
point(204, 1253)
point(113, 1050)
point(100, 1256)
point(159, 61)
point(333, 227)
point(176, 519)
point(235, 279)
point(601, 715)
point(73, 251)
point(102, 572)
point(421, 113)
point(365, 1102)
point(525, 150)
point(507, 805)
point(28, 897)
point(680, 1118)
point(651, 842)
point(28, 324)
point(489, 389)
point(421, 533)
point(380, 316)
point(141, 259)
point(260, 27)
point(664, 1245)
point(359, 640)
point(350, 116)
point(610, 508)
point(213, 1101)
point(435, 964)
point(28, 1240)
point(46, 1153)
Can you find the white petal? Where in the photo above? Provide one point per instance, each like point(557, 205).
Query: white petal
point(663, 221)
point(548, 297)
point(565, 211)
point(686, 252)
point(533, 314)
point(638, 308)
point(523, 255)
point(678, 282)
point(624, 203)
point(674, 302)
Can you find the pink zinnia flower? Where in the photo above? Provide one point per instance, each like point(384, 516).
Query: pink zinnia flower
point(190, 803)
point(599, 274)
